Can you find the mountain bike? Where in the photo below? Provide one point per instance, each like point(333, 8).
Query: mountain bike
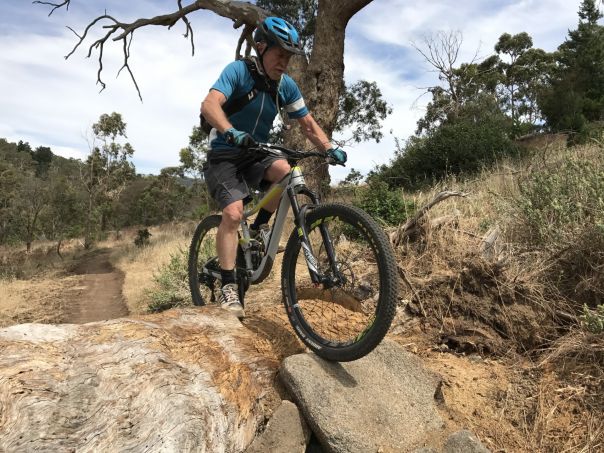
point(338, 279)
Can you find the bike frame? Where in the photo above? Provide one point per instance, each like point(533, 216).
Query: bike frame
point(286, 189)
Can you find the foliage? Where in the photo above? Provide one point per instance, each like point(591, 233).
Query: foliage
point(561, 207)
point(353, 178)
point(383, 203)
point(362, 108)
point(479, 135)
point(193, 157)
point(301, 14)
point(522, 78)
point(556, 202)
point(575, 95)
point(108, 172)
point(593, 319)
point(171, 284)
point(142, 238)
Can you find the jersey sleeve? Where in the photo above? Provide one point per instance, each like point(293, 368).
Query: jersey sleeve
point(230, 79)
point(294, 102)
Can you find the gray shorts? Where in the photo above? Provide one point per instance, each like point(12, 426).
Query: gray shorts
point(229, 180)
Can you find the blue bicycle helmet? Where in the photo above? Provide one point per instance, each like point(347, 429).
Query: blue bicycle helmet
point(278, 32)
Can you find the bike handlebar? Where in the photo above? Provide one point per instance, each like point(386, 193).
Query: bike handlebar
point(267, 148)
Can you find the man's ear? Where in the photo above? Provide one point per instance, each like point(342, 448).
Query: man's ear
point(261, 47)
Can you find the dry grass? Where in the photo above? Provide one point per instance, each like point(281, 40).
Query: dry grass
point(505, 304)
point(140, 264)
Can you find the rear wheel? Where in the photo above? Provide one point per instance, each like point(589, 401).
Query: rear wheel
point(346, 319)
point(202, 255)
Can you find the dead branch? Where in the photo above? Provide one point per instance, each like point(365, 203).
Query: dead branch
point(410, 225)
point(242, 13)
point(54, 5)
point(246, 35)
point(401, 272)
point(188, 29)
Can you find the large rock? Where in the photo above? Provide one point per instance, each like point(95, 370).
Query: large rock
point(384, 401)
point(183, 380)
point(286, 432)
point(464, 442)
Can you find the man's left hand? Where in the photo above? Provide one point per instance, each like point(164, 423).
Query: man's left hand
point(337, 155)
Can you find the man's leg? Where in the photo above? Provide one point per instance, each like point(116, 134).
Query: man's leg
point(226, 248)
point(277, 170)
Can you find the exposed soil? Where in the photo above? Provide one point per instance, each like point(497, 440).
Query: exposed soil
point(97, 292)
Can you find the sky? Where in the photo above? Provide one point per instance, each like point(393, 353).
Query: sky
point(47, 100)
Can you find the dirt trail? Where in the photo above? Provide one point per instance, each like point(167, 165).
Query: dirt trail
point(98, 294)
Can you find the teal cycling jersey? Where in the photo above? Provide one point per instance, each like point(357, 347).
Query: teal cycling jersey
point(255, 118)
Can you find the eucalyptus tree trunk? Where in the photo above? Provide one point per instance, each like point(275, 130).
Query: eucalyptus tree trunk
point(322, 78)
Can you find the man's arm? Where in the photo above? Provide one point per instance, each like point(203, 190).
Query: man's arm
point(314, 133)
point(211, 109)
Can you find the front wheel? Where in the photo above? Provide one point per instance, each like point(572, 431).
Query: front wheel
point(345, 320)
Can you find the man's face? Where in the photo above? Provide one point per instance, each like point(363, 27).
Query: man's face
point(275, 61)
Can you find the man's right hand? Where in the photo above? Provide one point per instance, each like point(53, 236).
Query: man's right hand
point(238, 138)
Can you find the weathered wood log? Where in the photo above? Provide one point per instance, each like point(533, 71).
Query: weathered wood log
point(182, 380)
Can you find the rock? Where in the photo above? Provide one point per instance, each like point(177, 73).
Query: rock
point(464, 442)
point(382, 402)
point(286, 432)
point(182, 380)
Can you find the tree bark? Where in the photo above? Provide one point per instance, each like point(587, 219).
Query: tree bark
point(182, 380)
point(322, 79)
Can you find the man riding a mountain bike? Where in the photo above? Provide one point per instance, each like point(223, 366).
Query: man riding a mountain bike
point(239, 112)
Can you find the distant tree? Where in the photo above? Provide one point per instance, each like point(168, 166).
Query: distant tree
point(576, 93)
point(353, 178)
point(24, 147)
point(362, 108)
point(458, 86)
point(66, 213)
point(33, 200)
point(523, 76)
point(108, 169)
point(9, 189)
point(43, 157)
point(193, 157)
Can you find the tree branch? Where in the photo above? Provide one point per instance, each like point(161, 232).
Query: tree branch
point(242, 13)
point(403, 230)
point(354, 6)
point(55, 5)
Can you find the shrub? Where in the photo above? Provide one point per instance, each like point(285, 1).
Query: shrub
point(478, 136)
point(561, 209)
point(593, 319)
point(383, 203)
point(142, 238)
point(172, 287)
point(560, 202)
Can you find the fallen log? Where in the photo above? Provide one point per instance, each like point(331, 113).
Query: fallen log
point(182, 380)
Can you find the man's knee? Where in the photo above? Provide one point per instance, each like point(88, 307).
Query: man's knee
point(277, 170)
point(232, 214)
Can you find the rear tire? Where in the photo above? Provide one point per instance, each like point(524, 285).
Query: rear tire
point(201, 251)
point(348, 321)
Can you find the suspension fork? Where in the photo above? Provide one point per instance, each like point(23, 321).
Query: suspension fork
point(299, 219)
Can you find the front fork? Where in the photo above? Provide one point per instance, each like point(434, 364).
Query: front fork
point(311, 261)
